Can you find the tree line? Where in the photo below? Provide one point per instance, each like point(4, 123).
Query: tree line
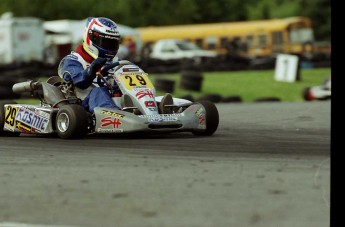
point(140, 13)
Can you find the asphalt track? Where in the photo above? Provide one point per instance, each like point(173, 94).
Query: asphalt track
point(267, 165)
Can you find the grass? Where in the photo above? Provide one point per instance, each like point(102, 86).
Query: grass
point(249, 85)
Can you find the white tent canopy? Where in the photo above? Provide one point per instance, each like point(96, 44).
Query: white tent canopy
point(74, 29)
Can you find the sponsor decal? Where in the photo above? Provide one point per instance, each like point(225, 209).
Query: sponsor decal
point(23, 127)
point(202, 119)
point(42, 113)
point(73, 57)
point(161, 117)
point(158, 118)
point(130, 69)
point(140, 88)
point(199, 111)
point(142, 94)
point(115, 122)
point(150, 104)
point(106, 36)
point(111, 31)
point(152, 108)
point(32, 119)
point(110, 130)
point(111, 113)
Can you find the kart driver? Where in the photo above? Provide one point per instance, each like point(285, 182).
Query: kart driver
point(100, 45)
point(99, 48)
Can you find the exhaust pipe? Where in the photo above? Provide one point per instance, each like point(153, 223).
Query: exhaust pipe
point(28, 86)
point(52, 95)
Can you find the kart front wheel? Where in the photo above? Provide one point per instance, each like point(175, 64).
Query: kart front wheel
point(71, 122)
point(212, 119)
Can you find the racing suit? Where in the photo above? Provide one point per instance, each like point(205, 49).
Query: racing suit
point(75, 68)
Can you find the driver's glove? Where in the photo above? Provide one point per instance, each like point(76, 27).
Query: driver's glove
point(95, 66)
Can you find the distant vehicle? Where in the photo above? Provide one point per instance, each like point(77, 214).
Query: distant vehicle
point(174, 49)
point(21, 40)
point(253, 39)
point(321, 92)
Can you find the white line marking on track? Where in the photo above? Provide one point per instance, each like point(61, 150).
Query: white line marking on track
point(14, 224)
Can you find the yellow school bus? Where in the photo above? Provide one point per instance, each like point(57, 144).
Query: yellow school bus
point(293, 35)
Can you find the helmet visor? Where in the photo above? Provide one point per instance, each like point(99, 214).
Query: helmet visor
point(105, 41)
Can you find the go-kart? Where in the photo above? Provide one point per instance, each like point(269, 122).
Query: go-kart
point(320, 92)
point(60, 111)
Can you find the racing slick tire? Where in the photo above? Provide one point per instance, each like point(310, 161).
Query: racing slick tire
point(2, 119)
point(212, 119)
point(71, 122)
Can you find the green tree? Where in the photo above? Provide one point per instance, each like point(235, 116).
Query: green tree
point(320, 13)
point(164, 12)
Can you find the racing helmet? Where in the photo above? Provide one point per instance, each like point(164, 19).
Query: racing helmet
point(101, 38)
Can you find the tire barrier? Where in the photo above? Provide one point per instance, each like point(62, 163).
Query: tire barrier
point(188, 97)
point(232, 99)
point(215, 98)
point(191, 80)
point(262, 63)
point(267, 99)
point(165, 85)
point(6, 84)
point(7, 93)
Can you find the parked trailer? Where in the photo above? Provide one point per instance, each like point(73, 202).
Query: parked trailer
point(21, 40)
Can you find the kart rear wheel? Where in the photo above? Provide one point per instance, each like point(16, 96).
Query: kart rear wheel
point(2, 119)
point(212, 119)
point(71, 122)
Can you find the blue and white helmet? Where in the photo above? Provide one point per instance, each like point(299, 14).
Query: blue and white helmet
point(101, 38)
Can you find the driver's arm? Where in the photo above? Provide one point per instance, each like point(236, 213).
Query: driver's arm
point(81, 78)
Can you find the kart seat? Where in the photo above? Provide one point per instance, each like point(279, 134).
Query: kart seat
point(55, 80)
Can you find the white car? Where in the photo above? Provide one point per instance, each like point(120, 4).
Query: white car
point(175, 49)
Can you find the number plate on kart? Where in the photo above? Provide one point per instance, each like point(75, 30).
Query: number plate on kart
point(135, 79)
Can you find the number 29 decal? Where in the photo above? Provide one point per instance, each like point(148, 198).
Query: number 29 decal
point(10, 115)
point(135, 79)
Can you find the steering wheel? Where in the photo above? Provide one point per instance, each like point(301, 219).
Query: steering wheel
point(101, 81)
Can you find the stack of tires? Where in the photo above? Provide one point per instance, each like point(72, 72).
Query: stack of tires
point(191, 80)
point(6, 88)
point(165, 85)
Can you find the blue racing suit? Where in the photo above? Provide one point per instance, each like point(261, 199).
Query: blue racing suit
point(76, 68)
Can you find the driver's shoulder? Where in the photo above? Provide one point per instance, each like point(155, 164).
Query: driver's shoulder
point(75, 58)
